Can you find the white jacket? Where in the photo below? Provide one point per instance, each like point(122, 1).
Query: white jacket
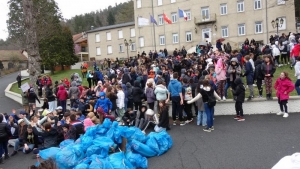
point(275, 51)
point(297, 70)
point(121, 99)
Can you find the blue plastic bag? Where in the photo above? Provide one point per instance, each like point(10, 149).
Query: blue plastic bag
point(137, 134)
point(106, 123)
point(152, 142)
point(118, 161)
point(142, 149)
point(99, 163)
point(100, 147)
point(70, 156)
point(159, 142)
point(137, 160)
point(49, 153)
point(65, 143)
point(82, 166)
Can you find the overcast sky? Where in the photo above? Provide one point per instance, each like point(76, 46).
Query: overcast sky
point(69, 9)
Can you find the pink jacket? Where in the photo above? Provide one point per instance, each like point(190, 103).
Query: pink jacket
point(220, 70)
point(87, 123)
point(282, 86)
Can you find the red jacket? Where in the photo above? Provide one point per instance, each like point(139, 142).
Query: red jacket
point(296, 51)
point(283, 86)
point(62, 93)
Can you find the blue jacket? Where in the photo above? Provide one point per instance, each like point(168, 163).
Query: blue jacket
point(99, 75)
point(105, 103)
point(249, 73)
point(175, 87)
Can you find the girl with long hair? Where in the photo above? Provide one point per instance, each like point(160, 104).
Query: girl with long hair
point(268, 69)
point(284, 87)
point(163, 113)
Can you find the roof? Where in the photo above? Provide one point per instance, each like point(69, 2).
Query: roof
point(111, 27)
point(77, 36)
point(6, 55)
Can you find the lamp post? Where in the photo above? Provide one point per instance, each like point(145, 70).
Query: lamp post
point(277, 23)
point(127, 44)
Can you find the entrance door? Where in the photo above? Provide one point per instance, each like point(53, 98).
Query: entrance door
point(206, 35)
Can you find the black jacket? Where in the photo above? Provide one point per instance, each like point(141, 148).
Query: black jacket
point(32, 97)
point(268, 68)
point(137, 92)
point(50, 137)
point(49, 95)
point(130, 116)
point(258, 71)
point(239, 91)
point(32, 138)
point(4, 131)
point(164, 118)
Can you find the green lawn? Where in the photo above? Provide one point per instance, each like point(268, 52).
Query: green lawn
point(66, 74)
point(55, 77)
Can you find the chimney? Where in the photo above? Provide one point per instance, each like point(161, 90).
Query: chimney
point(92, 27)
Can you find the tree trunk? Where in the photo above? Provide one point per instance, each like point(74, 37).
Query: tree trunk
point(62, 67)
point(32, 47)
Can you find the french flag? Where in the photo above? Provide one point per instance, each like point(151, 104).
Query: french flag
point(182, 14)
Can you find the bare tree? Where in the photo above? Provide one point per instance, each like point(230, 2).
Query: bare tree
point(32, 47)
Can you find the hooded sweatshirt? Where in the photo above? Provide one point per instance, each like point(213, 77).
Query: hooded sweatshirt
point(87, 123)
point(79, 80)
point(126, 77)
point(295, 51)
point(161, 92)
point(137, 92)
point(74, 91)
point(129, 91)
point(62, 93)
point(239, 91)
point(104, 103)
point(175, 87)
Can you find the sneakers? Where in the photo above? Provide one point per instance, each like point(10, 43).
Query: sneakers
point(1, 160)
point(6, 157)
point(259, 96)
point(174, 123)
point(236, 117)
point(224, 98)
point(285, 115)
point(188, 121)
point(212, 128)
point(14, 153)
point(280, 113)
point(207, 130)
point(182, 123)
point(241, 119)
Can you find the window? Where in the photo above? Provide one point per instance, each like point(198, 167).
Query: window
point(173, 1)
point(98, 51)
point(188, 14)
point(258, 27)
point(205, 13)
point(108, 36)
point(223, 8)
point(175, 38)
point(162, 40)
point(174, 17)
point(224, 31)
point(141, 40)
point(160, 20)
point(120, 34)
point(188, 36)
point(240, 6)
point(109, 49)
point(97, 37)
point(280, 2)
point(132, 32)
point(159, 2)
point(241, 29)
point(257, 4)
point(121, 47)
point(132, 47)
point(138, 3)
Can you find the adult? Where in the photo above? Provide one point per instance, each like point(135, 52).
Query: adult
point(19, 80)
point(74, 93)
point(268, 69)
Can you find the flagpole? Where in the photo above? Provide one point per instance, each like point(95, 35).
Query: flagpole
point(179, 29)
point(165, 31)
point(153, 29)
point(139, 34)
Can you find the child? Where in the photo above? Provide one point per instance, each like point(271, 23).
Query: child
point(234, 71)
point(150, 95)
point(163, 112)
point(201, 117)
point(249, 73)
point(239, 92)
point(104, 103)
point(284, 87)
point(129, 117)
point(80, 116)
point(140, 121)
point(120, 101)
point(31, 140)
point(187, 95)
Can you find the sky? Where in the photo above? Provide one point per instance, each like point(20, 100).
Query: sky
point(69, 8)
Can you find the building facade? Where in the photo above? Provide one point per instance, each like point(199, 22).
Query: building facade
point(209, 20)
point(109, 41)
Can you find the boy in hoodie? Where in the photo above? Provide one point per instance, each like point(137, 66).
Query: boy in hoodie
point(126, 76)
point(141, 120)
point(104, 103)
point(249, 73)
point(73, 93)
point(175, 90)
point(239, 92)
point(62, 96)
point(129, 117)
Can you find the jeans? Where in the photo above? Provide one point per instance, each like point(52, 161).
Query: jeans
point(251, 90)
point(297, 86)
point(176, 108)
point(227, 85)
point(30, 147)
point(3, 147)
point(52, 106)
point(210, 115)
point(63, 104)
point(201, 118)
point(15, 143)
point(72, 102)
point(158, 129)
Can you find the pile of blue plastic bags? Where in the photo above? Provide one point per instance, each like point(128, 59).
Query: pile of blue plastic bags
point(93, 150)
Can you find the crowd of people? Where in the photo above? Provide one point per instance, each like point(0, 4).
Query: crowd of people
point(137, 91)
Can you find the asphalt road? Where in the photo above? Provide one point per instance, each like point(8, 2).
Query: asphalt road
point(259, 142)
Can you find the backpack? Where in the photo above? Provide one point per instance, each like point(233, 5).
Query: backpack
point(211, 99)
point(187, 92)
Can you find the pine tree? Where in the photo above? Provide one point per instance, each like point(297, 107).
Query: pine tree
point(111, 18)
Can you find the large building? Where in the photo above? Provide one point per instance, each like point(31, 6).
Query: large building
point(209, 20)
point(110, 41)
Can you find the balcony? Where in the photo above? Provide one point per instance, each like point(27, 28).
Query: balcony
point(202, 20)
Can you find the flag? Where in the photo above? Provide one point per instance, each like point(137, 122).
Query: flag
point(143, 21)
point(167, 19)
point(182, 14)
point(153, 20)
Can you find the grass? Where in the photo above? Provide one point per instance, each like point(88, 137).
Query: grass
point(66, 74)
point(58, 75)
